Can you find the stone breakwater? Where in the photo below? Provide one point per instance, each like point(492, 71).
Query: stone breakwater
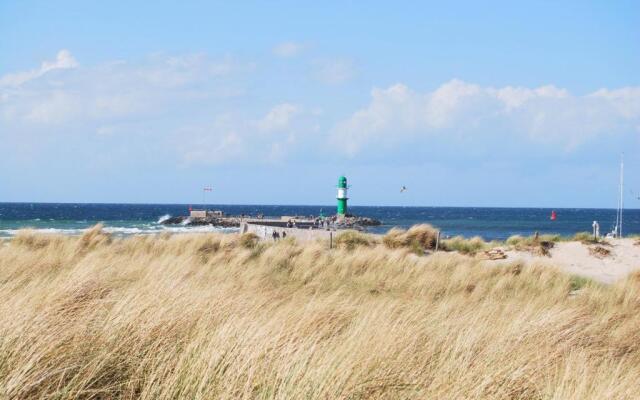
point(224, 222)
point(349, 222)
point(352, 220)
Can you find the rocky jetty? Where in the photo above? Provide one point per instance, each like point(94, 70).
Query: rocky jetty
point(354, 222)
point(349, 222)
point(363, 221)
point(224, 222)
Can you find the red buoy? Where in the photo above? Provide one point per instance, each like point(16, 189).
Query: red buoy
point(553, 215)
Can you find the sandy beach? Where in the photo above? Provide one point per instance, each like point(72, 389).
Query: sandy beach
point(575, 258)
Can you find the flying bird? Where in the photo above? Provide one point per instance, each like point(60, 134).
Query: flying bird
point(403, 189)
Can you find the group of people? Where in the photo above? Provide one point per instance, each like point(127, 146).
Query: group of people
point(318, 223)
point(323, 223)
point(276, 235)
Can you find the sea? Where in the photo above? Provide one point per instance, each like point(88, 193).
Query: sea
point(488, 223)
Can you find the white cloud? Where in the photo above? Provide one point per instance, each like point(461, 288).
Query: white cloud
point(443, 103)
point(170, 103)
point(64, 60)
point(232, 136)
point(625, 100)
point(115, 90)
point(213, 149)
point(334, 71)
point(106, 130)
point(514, 97)
point(287, 49)
point(181, 106)
point(545, 114)
point(176, 71)
point(53, 109)
point(278, 118)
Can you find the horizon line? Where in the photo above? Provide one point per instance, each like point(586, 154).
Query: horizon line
point(309, 205)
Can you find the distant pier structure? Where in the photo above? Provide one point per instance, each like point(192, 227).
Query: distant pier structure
point(342, 198)
point(303, 228)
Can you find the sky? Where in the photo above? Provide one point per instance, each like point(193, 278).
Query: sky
point(496, 103)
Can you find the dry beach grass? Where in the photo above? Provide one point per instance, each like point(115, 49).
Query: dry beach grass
point(224, 316)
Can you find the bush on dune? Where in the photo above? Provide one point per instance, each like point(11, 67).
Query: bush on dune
point(583, 237)
point(248, 240)
point(538, 245)
point(418, 237)
point(93, 238)
point(352, 239)
point(525, 241)
point(587, 238)
point(465, 246)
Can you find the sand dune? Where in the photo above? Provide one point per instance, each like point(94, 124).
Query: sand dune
point(228, 317)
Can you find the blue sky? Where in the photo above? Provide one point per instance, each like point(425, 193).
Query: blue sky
point(465, 103)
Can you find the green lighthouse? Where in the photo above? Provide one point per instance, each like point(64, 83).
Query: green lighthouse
point(342, 197)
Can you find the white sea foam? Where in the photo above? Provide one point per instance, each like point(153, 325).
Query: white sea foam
point(126, 231)
point(199, 229)
point(13, 232)
point(163, 218)
point(123, 230)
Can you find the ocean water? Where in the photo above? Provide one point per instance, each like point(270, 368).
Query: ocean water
point(489, 223)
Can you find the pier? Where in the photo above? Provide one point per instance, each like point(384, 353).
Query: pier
point(303, 228)
point(304, 231)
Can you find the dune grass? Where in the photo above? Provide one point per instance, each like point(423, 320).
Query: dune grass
point(225, 316)
point(466, 246)
point(538, 245)
point(418, 238)
point(352, 239)
point(524, 241)
point(588, 239)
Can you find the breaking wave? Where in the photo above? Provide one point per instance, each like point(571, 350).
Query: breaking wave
point(125, 231)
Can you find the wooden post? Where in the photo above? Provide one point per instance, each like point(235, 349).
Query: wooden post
point(331, 240)
point(437, 241)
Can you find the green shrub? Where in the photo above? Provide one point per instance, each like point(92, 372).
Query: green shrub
point(465, 246)
point(587, 238)
point(583, 237)
point(538, 246)
point(519, 241)
point(515, 240)
point(577, 282)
